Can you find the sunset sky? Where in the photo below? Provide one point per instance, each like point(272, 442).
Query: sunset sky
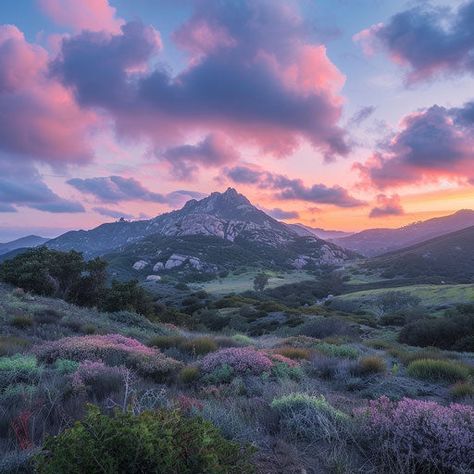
point(341, 114)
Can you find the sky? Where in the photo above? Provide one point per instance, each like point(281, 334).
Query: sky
point(340, 114)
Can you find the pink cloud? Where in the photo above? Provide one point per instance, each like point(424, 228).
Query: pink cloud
point(387, 206)
point(94, 15)
point(40, 118)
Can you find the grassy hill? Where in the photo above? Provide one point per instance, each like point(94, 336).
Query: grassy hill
point(450, 256)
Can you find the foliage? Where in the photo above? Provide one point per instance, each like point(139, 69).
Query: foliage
point(309, 417)
point(371, 365)
point(294, 352)
point(189, 374)
point(334, 350)
point(18, 368)
point(260, 281)
point(242, 360)
point(200, 345)
point(152, 442)
point(462, 390)
point(418, 436)
point(438, 370)
point(166, 342)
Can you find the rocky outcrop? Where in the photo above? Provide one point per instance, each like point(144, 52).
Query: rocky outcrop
point(140, 265)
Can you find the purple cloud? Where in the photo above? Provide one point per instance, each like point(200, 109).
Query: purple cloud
point(294, 189)
point(429, 40)
point(253, 75)
point(281, 214)
point(105, 211)
point(432, 143)
point(116, 189)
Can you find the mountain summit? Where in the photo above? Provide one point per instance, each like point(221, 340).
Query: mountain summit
point(216, 229)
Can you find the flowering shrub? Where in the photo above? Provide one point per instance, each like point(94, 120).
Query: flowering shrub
point(97, 378)
point(111, 348)
point(309, 417)
point(242, 360)
point(419, 435)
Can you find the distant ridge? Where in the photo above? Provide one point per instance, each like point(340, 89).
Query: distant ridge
point(373, 242)
point(324, 234)
point(23, 242)
point(450, 256)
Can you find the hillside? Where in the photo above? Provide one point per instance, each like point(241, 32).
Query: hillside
point(324, 234)
point(373, 242)
point(206, 236)
point(450, 256)
point(23, 242)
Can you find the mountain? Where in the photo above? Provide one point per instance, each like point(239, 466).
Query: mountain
point(373, 242)
point(305, 231)
point(23, 242)
point(449, 256)
point(205, 236)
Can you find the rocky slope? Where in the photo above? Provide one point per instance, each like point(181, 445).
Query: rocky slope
point(205, 236)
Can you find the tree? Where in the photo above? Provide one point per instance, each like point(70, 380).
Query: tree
point(260, 281)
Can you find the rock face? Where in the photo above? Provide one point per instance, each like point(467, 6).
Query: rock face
point(140, 265)
point(205, 236)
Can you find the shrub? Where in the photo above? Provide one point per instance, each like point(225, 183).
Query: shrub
point(379, 344)
point(18, 368)
point(112, 349)
point(11, 344)
point(333, 350)
point(200, 345)
point(189, 374)
point(325, 327)
point(296, 353)
point(66, 366)
point(332, 367)
point(159, 441)
point(98, 379)
point(22, 321)
point(371, 365)
point(241, 360)
point(166, 342)
point(438, 370)
point(243, 340)
point(309, 417)
point(418, 436)
point(465, 344)
point(47, 316)
point(462, 390)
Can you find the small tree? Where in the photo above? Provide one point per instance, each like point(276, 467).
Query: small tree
point(260, 281)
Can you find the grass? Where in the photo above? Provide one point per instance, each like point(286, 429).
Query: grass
point(438, 370)
point(430, 295)
point(244, 282)
point(462, 390)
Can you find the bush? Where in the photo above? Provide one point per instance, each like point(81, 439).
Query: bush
point(47, 316)
point(333, 350)
point(296, 353)
point(462, 390)
point(243, 340)
point(21, 321)
point(200, 345)
point(325, 327)
point(166, 342)
point(18, 368)
point(242, 360)
point(371, 365)
point(418, 436)
point(97, 379)
point(160, 441)
point(189, 374)
point(309, 417)
point(11, 344)
point(438, 370)
point(66, 366)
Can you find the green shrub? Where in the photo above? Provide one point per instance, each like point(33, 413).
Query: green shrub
point(66, 366)
point(18, 368)
point(189, 374)
point(379, 344)
point(438, 370)
point(152, 442)
point(309, 417)
point(295, 353)
point(200, 345)
point(243, 340)
point(21, 321)
point(371, 365)
point(166, 342)
point(333, 350)
point(462, 390)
